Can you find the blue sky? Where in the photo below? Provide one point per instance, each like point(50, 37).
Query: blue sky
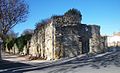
point(105, 13)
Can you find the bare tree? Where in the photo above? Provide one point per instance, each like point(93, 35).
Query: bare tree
point(12, 12)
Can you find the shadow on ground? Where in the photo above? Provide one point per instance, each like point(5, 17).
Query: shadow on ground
point(64, 65)
point(9, 66)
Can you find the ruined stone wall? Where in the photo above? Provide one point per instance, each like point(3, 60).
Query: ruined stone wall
point(49, 41)
point(64, 42)
point(104, 44)
point(33, 45)
point(42, 42)
point(65, 36)
point(57, 39)
point(95, 39)
point(70, 41)
point(85, 35)
point(66, 20)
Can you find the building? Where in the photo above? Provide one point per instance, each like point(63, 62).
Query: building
point(65, 36)
point(114, 40)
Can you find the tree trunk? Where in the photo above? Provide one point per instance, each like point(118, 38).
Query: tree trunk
point(0, 54)
point(2, 46)
point(1, 51)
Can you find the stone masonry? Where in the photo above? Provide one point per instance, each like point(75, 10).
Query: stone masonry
point(65, 36)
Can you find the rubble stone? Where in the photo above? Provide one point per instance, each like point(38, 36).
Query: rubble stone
point(65, 36)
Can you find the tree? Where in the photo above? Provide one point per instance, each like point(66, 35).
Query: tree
point(12, 12)
point(28, 31)
point(73, 12)
point(10, 39)
point(22, 41)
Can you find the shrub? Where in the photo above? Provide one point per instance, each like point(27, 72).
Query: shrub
point(22, 41)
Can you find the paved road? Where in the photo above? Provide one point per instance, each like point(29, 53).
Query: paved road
point(102, 63)
point(11, 62)
point(16, 64)
point(8, 66)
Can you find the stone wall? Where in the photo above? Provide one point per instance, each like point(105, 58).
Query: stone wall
point(42, 42)
point(71, 37)
point(95, 39)
point(65, 42)
point(104, 44)
point(37, 45)
point(49, 41)
point(65, 36)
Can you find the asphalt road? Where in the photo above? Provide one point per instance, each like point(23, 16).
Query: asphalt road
point(108, 62)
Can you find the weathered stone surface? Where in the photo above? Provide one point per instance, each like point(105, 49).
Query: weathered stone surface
point(65, 36)
point(95, 42)
point(26, 48)
point(104, 44)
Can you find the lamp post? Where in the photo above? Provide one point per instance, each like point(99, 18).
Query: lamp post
point(1, 41)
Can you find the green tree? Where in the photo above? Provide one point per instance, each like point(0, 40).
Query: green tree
point(10, 39)
point(12, 12)
point(22, 41)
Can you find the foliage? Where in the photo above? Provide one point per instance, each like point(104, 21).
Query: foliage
point(28, 31)
point(22, 41)
point(10, 44)
point(40, 24)
point(12, 12)
point(73, 12)
point(10, 38)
